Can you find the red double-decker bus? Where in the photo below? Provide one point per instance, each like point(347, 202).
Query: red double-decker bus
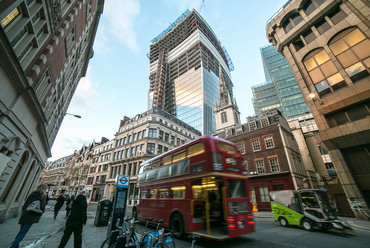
point(199, 187)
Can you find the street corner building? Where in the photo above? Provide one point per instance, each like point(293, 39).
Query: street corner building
point(327, 46)
point(45, 47)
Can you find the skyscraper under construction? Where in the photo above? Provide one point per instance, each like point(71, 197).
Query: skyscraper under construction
point(184, 69)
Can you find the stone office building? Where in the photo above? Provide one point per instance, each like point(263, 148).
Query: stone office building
point(141, 138)
point(327, 46)
point(45, 47)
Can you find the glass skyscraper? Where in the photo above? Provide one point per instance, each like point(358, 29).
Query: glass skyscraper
point(184, 69)
point(280, 91)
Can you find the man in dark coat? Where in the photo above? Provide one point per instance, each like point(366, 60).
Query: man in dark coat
point(28, 217)
point(58, 205)
point(76, 220)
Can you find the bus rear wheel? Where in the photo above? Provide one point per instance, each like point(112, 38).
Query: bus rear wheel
point(307, 225)
point(283, 222)
point(177, 225)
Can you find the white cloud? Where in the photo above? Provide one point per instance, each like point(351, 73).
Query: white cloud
point(121, 16)
point(85, 92)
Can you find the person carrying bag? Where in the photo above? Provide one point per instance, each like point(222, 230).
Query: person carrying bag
point(32, 211)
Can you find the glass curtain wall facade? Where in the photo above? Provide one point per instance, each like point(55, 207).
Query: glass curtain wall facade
point(184, 64)
point(280, 79)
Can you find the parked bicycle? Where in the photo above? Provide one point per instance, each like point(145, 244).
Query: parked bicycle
point(157, 239)
point(122, 235)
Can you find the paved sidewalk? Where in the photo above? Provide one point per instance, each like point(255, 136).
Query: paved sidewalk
point(48, 233)
point(355, 223)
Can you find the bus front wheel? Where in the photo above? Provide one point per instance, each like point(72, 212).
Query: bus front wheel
point(307, 225)
point(177, 225)
point(283, 222)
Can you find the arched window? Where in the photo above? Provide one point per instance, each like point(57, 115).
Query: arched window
point(352, 49)
point(291, 22)
point(15, 176)
point(323, 72)
point(309, 7)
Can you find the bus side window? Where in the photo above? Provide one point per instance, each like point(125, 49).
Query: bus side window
point(144, 194)
point(195, 150)
point(197, 192)
point(164, 193)
point(178, 156)
point(178, 192)
point(166, 160)
point(153, 193)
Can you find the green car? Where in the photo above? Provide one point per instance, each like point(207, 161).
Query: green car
point(309, 208)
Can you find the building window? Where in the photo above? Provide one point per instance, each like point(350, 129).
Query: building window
point(88, 9)
point(337, 15)
point(260, 166)
point(166, 137)
point(274, 164)
point(223, 117)
point(152, 133)
point(70, 39)
point(269, 141)
point(309, 36)
point(160, 135)
point(322, 26)
point(10, 18)
point(352, 49)
point(43, 86)
point(293, 21)
point(264, 122)
point(323, 72)
point(264, 194)
point(256, 145)
point(252, 125)
point(349, 114)
point(159, 149)
point(309, 7)
point(241, 147)
point(298, 44)
point(150, 148)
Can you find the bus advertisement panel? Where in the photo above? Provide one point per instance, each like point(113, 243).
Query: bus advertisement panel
point(199, 187)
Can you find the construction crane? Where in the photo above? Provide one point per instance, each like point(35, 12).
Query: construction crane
point(201, 6)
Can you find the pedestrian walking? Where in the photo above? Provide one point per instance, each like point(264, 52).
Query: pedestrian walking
point(32, 211)
point(69, 205)
point(76, 220)
point(58, 205)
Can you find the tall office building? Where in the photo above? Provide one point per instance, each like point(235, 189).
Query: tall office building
point(45, 48)
point(280, 91)
point(184, 69)
point(327, 46)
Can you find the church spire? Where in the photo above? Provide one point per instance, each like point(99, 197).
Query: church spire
point(227, 113)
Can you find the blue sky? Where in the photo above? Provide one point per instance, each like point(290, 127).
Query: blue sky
point(117, 83)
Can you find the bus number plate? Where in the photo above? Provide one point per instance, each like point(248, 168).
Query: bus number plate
point(241, 224)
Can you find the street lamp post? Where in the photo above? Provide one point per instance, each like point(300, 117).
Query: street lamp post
point(77, 116)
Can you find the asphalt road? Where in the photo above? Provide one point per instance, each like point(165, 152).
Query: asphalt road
point(271, 234)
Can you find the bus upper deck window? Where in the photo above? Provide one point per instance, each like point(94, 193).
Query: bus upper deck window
point(166, 160)
point(227, 148)
point(195, 150)
point(178, 156)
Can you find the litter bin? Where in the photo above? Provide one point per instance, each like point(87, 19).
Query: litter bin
point(103, 212)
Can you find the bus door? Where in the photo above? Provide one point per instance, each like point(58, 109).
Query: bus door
point(208, 206)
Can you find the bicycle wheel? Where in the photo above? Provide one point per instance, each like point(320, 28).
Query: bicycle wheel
point(106, 243)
